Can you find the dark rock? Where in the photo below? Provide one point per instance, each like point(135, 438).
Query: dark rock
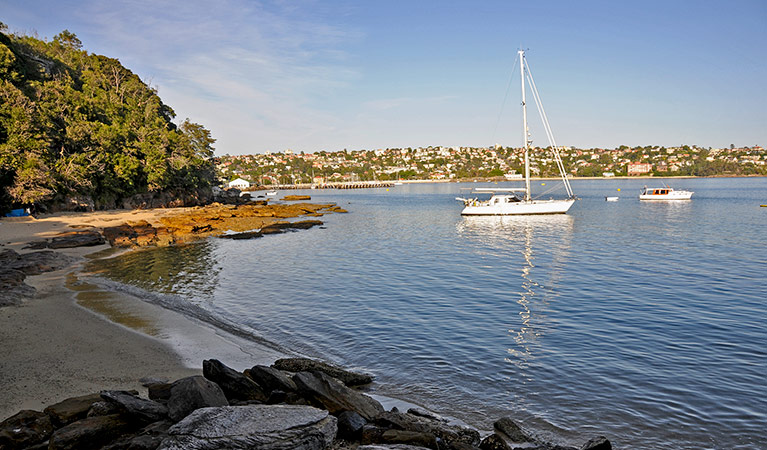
point(265, 427)
point(191, 393)
point(159, 392)
point(305, 224)
point(70, 240)
point(597, 443)
point(25, 429)
point(335, 396)
point(71, 409)
point(243, 235)
point(276, 397)
point(149, 438)
point(14, 268)
point(272, 379)
point(89, 433)
point(494, 442)
point(426, 414)
point(236, 386)
point(310, 365)
point(416, 438)
point(103, 408)
point(513, 432)
point(138, 408)
point(350, 425)
point(452, 435)
point(389, 447)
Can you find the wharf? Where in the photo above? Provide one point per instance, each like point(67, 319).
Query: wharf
point(337, 185)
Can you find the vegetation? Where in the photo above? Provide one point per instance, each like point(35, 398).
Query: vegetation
point(80, 125)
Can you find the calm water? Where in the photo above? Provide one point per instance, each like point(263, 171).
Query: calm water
point(646, 322)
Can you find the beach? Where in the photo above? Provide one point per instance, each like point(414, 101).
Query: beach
point(74, 338)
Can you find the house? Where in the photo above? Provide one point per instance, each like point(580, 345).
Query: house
point(639, 168)
point(239, 183)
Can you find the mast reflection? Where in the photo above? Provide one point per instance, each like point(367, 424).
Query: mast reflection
point(521, 241)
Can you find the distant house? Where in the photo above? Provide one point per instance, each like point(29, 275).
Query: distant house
point(608, 174)
point(239, 183)
point(639, 168)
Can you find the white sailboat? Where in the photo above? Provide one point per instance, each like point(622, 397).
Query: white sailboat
point(504, 202)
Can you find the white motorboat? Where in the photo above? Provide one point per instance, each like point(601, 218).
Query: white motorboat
point(664, 193)
point(519, 201)
point(271, 193)
point(611, 199)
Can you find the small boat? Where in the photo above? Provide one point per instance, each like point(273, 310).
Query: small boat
point(611, 199)
point(506, 202)
point(271, 193)
point(664, 193)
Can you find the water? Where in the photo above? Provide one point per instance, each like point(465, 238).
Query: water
point(644, 322)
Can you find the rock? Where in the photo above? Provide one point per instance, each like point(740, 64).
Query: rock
point(454, 436)
point(389, 447)
point(272, 379)
point(293, 198)
point(149, 438)
point(103, 408)
point(597, 443)
point(25, 429)
point(243, 235)
point(311, 365)
point(415, 438)
point(350, 425)
point(335, 396)
point(138, 408)
point(159, 392)
point(426, 414)
point(70, 240)
point(264, 427)
point(71, 409)
point(89, 433)
point(305, 224)
point(236, 386)
point(511, 430)
point(191, 393)
point(494, 442)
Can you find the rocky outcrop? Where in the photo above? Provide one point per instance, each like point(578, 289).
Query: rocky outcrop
point(253, 426)
point(294, 198)
point(71, 239)
point(310, 365)
point(15, 267)
point(311, 410)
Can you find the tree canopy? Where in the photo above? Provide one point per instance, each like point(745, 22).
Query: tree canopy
point(80, 124)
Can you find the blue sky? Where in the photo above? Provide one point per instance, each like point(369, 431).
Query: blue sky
point(329, 75)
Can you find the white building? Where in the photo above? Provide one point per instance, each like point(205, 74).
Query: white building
point(239, 183)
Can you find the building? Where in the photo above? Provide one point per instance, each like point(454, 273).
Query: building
point(239, 183)
point(638, 168)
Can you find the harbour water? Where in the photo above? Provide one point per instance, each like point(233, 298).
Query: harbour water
point(642, 321)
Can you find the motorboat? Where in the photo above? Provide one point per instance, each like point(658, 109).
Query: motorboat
point(611, 199)
point(664, 193)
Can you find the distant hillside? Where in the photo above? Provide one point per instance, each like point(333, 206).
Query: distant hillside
point(80, 129)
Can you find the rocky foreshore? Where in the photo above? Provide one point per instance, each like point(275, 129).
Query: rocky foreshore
point(295, 403)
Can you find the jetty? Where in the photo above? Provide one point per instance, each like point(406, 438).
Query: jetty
point(330, 185)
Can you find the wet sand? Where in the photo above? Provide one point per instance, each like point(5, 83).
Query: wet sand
point(75, 338)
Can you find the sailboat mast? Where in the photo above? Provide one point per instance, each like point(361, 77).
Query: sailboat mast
point(524, 125)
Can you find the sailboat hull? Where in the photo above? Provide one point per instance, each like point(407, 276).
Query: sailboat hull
point(523, 208)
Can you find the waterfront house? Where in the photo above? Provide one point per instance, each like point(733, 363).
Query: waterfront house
point(239, 183)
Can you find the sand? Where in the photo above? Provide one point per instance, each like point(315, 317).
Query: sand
point(74, 338)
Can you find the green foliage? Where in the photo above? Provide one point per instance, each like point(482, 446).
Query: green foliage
point(73, 123)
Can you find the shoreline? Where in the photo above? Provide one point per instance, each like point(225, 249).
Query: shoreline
point(74, 337)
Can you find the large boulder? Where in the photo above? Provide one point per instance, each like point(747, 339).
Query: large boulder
point(310, 365)
point(25, 429)
point(264, 427)
point(350, 425)
point(335, 396)
point(597, 443)
point(507, 427)
point(454, 436)
point(135, 407)
point(236, 386)
point(70, 239)
point(494, 442)
point(71, 409)
point(191, 393)
point(89, 433)
point(272, 379)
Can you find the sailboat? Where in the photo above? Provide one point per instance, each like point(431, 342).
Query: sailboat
point(519, 201)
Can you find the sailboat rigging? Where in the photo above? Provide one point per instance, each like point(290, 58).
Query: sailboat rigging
point(508, 201)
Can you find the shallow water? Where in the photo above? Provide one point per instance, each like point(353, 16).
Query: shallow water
point(644, 322)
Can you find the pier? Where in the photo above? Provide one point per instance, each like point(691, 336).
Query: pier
point(331, 185)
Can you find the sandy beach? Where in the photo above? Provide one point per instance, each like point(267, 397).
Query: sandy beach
point(74, 338)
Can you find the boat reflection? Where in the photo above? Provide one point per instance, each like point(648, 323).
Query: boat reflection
point(536, 247)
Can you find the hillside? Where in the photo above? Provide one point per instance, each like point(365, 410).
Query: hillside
point(80, 131)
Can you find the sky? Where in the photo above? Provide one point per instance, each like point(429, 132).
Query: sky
point(362, 74)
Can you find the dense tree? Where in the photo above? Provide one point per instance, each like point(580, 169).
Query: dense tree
point(79, 124)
